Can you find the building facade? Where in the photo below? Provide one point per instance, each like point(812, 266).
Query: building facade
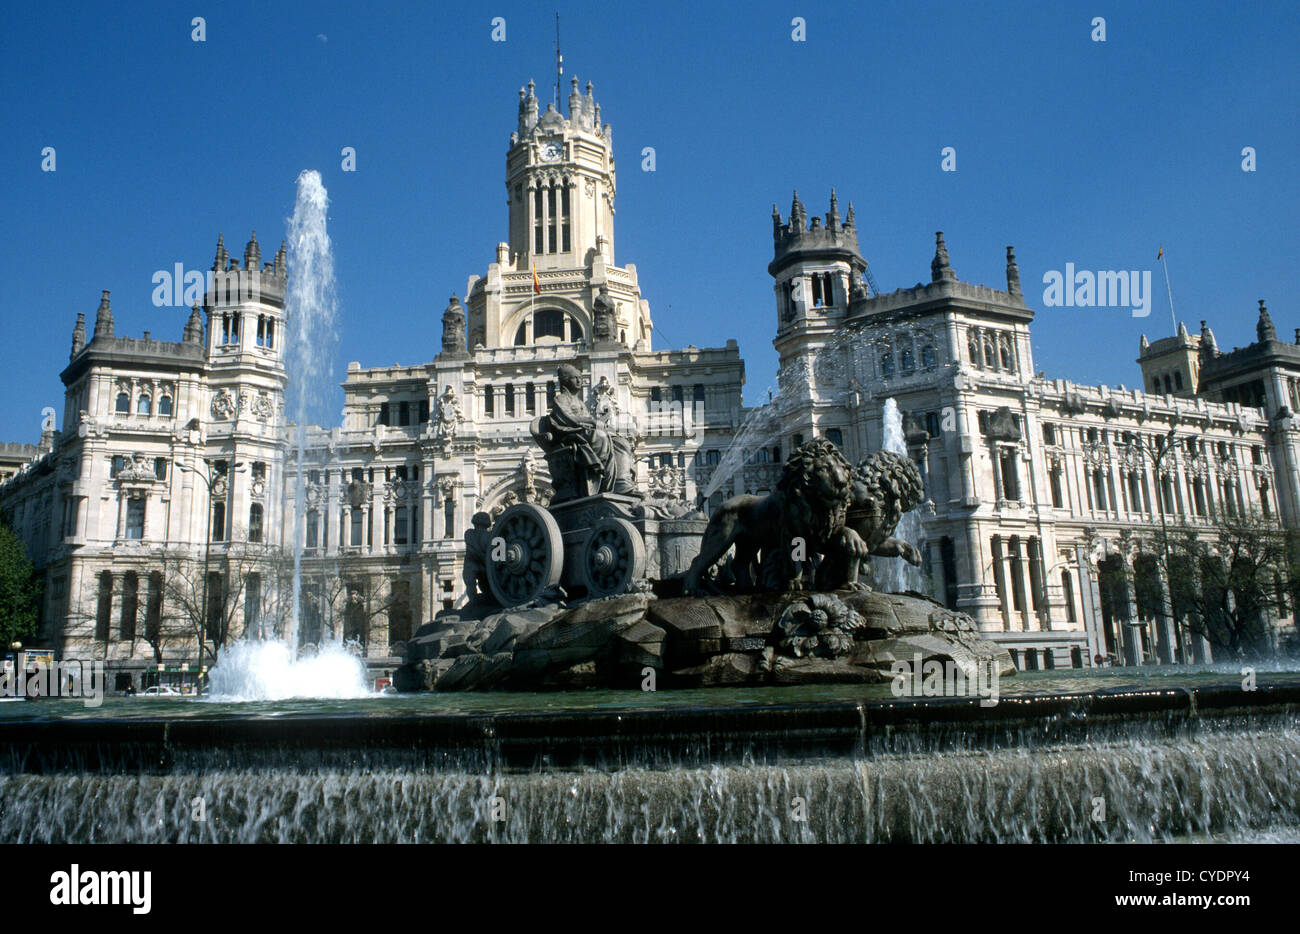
point(164, 511)
point(1045, 497)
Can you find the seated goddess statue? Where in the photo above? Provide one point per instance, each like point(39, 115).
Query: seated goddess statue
point(583, 458)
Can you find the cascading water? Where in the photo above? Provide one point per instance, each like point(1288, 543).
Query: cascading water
point(1228, 778)
point(894, 575)
point(270, 669)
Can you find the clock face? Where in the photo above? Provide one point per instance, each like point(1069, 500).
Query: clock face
point(550, 152)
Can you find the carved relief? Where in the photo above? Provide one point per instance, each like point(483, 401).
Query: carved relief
point(224, 404)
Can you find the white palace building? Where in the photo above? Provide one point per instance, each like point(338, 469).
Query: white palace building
point(167, 485)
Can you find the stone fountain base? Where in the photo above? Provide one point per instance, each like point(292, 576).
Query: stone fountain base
point(846, 637)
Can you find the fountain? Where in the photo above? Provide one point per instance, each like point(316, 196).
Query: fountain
point(797, 659)
point(260, 670)
point(892, 574)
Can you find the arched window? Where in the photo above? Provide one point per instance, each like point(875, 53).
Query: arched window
point(905, 358)
point(886, 364)
point(973, 346)
point(123, 403)
point(1067, 592)
point(165, 405)
point(255, 522)
point(521, 335)
point(549, 322)
point(143, 406)
point(927, 356)
point(1008, 354)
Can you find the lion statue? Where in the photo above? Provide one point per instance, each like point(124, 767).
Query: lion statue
point(885, 486)
point(821, 508)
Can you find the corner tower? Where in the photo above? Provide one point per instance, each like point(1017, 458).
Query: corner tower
point(816, 269)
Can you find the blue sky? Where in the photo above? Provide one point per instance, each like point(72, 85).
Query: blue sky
point(1072, 150)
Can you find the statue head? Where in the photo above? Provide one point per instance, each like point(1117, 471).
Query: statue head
point(568, 377)
point(481, 520)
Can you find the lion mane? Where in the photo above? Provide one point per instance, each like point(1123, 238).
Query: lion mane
point(886, 485)
point(810, 504)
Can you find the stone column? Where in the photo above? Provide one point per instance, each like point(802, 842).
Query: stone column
point(1129, 624)
point(1090, 604)
point(1038, 584)
point(1002, 581)
point(1167, 647)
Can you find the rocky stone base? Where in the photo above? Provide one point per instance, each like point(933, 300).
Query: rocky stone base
point(752, 639)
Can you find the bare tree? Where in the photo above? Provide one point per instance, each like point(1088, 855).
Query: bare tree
point(243, 582)
point(1229, 580)
point(337, 604)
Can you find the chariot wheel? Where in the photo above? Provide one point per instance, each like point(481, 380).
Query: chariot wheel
point(525, 555)
point(613, 558)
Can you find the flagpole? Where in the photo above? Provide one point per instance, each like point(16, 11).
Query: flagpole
point(1172, 317)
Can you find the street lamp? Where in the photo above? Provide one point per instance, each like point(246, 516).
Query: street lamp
point(209, 479)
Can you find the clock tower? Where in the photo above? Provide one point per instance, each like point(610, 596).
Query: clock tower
point(547, 283)
point(560, 183)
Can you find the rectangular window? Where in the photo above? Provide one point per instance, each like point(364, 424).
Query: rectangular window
point(538, 221)
point(403, 413)
point(400, 526)
point(357, 527)
point(160, 468)
point(510, 398)
point(313, 529)
point(564, 220)
point(423, 412)
point(252, 602)
point(530, 398)
point(135, 519)
point(1010, 475)
point(489, 401)
point(550, 216)
point(383, 413)
point(1057, 498)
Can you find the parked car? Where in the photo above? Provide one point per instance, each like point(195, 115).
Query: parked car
point(160, 690)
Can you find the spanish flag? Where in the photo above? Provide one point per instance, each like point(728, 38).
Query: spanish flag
point(1160, 254)
point(537, 286)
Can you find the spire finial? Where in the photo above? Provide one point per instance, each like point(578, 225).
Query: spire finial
point(78, 334)
point(1013, 273)
point(1264, 328)
point(939, 268)
point(193, 333)
point(104, 317)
